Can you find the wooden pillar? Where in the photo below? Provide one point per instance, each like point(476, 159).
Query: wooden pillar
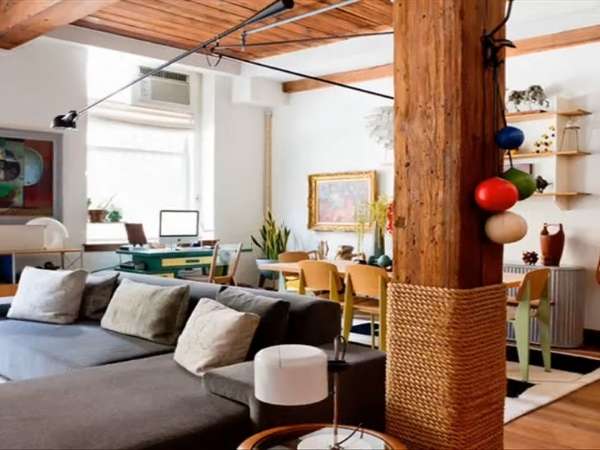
point(446, 366)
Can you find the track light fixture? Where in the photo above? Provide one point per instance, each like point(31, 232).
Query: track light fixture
point(68, 120)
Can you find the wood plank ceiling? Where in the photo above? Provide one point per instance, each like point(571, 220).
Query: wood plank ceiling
point(185, 23)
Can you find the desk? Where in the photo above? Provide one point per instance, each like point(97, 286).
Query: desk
point(511, 280)
point(165, 262)
point(8, 261)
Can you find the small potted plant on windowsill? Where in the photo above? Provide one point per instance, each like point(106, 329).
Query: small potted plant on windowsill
point(272, 241)
point(98, 213)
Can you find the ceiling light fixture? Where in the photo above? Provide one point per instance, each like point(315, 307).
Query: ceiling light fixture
point(69, 120)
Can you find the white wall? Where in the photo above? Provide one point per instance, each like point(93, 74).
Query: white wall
point(573, 73)
point(323, 131)
point(38, 81)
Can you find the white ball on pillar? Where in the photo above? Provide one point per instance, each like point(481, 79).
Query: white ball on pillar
point(505, 227)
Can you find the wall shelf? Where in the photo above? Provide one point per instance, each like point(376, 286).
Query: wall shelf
point(532, 155)
point(540, 114)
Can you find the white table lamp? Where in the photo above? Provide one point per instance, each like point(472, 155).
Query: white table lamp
point(291, 375)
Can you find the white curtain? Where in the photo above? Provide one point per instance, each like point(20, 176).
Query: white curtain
point(145, 168)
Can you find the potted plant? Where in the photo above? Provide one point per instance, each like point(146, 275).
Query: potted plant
point(99, 211)
point(272, 241)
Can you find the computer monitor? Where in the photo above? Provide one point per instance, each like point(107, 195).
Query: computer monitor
point(178, 224)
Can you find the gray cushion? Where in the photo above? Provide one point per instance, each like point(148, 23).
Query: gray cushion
point(96, 295)
point(148, 311)
point(273, 315)
point(48, 295)
point(311, 321)
point(149, 403)
point(33, 349)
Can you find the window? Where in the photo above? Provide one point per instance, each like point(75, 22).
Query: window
point(139, 170)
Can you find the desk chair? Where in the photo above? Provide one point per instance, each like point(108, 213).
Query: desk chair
point(531, 301)
point(320, 278)
point(223, 255)
point(366, 292)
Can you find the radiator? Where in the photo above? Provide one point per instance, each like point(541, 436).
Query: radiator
point(567, 291)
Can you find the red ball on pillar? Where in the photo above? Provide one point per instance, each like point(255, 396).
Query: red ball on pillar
point(496, 194)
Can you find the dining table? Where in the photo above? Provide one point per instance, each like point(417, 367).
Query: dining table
point(510, 280)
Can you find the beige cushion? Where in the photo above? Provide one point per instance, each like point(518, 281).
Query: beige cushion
point(48, 295)
point(215, 336)
point(151, 312)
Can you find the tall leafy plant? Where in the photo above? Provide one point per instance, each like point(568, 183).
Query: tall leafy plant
point(273, 238)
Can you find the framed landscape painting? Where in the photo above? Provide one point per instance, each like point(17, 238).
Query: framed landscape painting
point(333, 199)
point(28, 175)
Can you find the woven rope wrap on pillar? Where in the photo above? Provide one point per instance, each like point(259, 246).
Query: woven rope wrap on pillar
point(446, 376)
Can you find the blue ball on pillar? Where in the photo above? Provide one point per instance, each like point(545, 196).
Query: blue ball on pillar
point(510, 138)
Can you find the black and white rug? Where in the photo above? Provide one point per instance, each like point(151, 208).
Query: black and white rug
point(569, 373)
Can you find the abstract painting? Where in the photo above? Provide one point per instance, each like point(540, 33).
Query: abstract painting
point(27, 177)
point(333, 199)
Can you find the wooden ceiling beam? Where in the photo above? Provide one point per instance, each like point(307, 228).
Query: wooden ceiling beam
point(578, 36)
point(22, 21)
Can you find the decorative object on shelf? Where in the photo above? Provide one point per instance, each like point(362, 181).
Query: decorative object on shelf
point(536, 96)
point(273, 239)
point(530, 258)
point(27, 175)
point(496, 194)
point(378, 212)
point(55, 233)
point(334, 197)
point(524, 182)
point(570, 132)
point(546, 140)
point(380, 124)
point(516, 98)
point(541, 184)
point(114, 215)
point(505, 228)
point(322, 250)
point(510, 138)
point(552, 245)
point(345, 252)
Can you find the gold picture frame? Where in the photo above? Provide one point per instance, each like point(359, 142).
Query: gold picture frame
point(333, 198)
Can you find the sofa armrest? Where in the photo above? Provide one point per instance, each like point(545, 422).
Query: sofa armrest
point(361, 395)
point(4, 306)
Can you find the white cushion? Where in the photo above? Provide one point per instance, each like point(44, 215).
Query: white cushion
point(48, 295)
point(214, 336)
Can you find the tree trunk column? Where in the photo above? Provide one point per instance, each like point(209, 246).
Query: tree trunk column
point(446, 319)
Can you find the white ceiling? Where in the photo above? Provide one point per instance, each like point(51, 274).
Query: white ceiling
point(529, 18)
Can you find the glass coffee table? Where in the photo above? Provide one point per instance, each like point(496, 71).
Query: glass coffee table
point(319, 436)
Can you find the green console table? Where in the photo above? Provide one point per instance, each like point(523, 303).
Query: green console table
point(164, 262)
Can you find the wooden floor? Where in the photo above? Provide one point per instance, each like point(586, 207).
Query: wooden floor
point(571, 422)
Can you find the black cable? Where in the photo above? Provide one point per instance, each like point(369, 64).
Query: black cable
point(303, 75)
point(300, 41)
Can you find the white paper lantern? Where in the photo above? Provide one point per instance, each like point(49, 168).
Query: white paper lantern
point(505, 228)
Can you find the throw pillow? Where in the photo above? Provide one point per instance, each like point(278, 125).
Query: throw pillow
point(273, 313)
point(148, 311)
point(52, 296)
point(214, 336)
point(96, 295)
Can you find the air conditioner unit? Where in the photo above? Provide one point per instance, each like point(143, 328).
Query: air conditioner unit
point(162, 90)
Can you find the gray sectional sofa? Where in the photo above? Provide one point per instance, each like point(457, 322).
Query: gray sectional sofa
point(81, 386)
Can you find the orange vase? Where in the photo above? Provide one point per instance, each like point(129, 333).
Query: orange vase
point(552, 245)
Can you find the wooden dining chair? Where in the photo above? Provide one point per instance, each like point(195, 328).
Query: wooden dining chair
point(292, 280)
point(224, 255)
point(366, 292)
point(320, 278)
point(531, 301)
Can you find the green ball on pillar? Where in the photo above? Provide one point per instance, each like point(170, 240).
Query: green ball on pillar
point(524, 182)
